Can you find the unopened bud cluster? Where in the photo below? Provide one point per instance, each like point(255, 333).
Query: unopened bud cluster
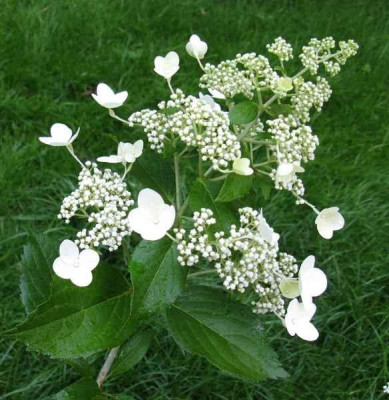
point(318, 51)
point(103, 199)
point(196, 123)
point(281, 48)
point(246, 258)
point(310, 95)
point(293, 142)
point(198, 243)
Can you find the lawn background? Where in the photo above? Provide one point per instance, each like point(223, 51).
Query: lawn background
point(53, 53)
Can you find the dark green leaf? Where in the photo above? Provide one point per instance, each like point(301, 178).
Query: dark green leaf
point(36, 271)
point(82, 367)
point(85, 389)
point(156, 276)
point(76, 322)
point(201, 197)
point(205, 321)
point(132, 352)
point(234, 187)
point(154, 172)
point(243, 113)
point(276, 109)
point(264, 184)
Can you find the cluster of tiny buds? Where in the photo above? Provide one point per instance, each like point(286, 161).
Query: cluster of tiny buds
point(228, 79)
point(103, 199)
point(320, 51)
point(310, 95)
point(197, 244)
point(195, 123)
point(281, 49)
point(293, 142)
point(258, 70)
point(294, 184)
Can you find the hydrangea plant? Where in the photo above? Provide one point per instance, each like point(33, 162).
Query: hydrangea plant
point(202, 172)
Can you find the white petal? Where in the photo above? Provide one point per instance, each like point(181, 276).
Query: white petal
point(110, 159)
point(315, 281)
point(216, 94)
point(121, 97)
point(60, 133)
point(167, 217)
point(104, 91)
point(284, 169)
point(68, 251)
point(172, 58)
point(62, 269)
point(81, 277)
point(74, 137)
point(138, 148)
point(306, 331)
point(149, 200)
point(324, 229)
point(88, 259)
point(136, 220)
point(307, 265)
point(129, 158)
point(49, 140)
point(153, 232)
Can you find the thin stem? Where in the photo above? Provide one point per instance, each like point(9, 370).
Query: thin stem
point(208, 171)
point(71, 151)
point(218, 178)
point(262, 172)
point(200, 63)
point(171, 237)
point(104, 371)
point(307, 203)
point(184, 206)
point(111, 112)
point(208, 271)
point(170, 85)
point(177, 178)
point(126, 170)
point(200, 166)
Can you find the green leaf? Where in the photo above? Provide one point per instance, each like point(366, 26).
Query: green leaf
point(85, 389)
point(170, 110)
point(243, 113)
point(206, 322)
point(132, 352)
point(36, 271)
point(202, 197)
point(76, 322)
point(157, 277)
point(264, 184)
point(276, 109)
point(154, 172)
point(234, 187)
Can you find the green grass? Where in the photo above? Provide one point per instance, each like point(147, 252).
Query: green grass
point(52, 53)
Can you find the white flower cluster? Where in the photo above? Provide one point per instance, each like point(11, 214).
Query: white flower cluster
point(310, 95)
point(197, 123)
point(228, 79)
point(102, 197)
point(294, 142)
point(319, 51)
point(258, 69)
point(247, 257)
point(198, 243)
point(281, 48)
